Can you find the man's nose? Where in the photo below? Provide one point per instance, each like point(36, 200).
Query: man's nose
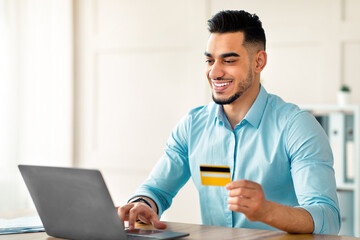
point(216, 71)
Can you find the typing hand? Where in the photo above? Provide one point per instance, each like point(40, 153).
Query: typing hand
point(138, 210)
point(248, 198)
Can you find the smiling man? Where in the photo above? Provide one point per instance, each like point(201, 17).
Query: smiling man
point(233, 72)
point(277, 157)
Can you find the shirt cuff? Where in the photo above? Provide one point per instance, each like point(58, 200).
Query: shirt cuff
point(317, 215)
point(153, 197)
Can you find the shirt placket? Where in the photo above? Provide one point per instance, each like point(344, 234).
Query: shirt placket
point(228, 212)
point(231, 148)
point(236, 139)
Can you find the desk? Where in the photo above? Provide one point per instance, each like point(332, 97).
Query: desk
point(206, 232)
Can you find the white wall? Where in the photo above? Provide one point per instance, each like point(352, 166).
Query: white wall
point(46, 82)
point(8, 94)
point(36, 98)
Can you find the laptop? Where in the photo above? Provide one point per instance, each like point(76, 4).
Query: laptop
point(75, 203)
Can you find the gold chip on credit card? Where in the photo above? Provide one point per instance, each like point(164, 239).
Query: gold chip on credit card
point(215, 175)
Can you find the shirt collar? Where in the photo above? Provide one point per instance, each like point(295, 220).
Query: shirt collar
point(220, 115)
point(256, 111)
point(254, 114)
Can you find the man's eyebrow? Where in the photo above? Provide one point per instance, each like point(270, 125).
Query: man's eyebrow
point(229, 54)
point(224, 55)
point(208, 54)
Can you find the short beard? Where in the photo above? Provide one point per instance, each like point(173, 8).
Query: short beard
point(243, 88)
point(226, 101)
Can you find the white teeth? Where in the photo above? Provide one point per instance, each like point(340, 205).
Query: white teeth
point(221, 84)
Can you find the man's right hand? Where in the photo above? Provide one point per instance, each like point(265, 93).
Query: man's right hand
point(139, 210)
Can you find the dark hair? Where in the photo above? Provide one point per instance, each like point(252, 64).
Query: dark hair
point(229, 21)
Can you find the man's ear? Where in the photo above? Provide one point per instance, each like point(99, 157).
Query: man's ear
point(260, 61)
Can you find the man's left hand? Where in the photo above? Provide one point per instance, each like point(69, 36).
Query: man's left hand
point(248, 198)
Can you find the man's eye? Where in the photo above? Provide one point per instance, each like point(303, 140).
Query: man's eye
point(209, 61)
point(229, 61)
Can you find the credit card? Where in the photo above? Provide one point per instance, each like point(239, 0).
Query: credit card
point(215, 175)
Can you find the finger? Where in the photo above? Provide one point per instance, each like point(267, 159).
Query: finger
point(133, 216)
point(241, 183)
point(123, 212)
point(244, 192)
point(245, 202)
point(247, 211)
point(157, 223)
point(238, 208)
point(144, 219)
point(152, 218)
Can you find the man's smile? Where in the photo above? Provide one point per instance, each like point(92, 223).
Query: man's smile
point(220, 85)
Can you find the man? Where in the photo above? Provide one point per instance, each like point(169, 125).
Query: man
point(279, 156)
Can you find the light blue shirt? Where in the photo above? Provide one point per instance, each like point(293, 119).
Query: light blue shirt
point(276, 145)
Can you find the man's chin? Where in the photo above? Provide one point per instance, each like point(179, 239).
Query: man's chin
point(225, 101)
point(221, 101)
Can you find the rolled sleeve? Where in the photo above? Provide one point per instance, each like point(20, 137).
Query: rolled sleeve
point(326, 219)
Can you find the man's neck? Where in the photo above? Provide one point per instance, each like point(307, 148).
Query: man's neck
point(236, 111)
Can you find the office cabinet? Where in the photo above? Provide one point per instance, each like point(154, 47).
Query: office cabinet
point(346, 202)
point(341, 124)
